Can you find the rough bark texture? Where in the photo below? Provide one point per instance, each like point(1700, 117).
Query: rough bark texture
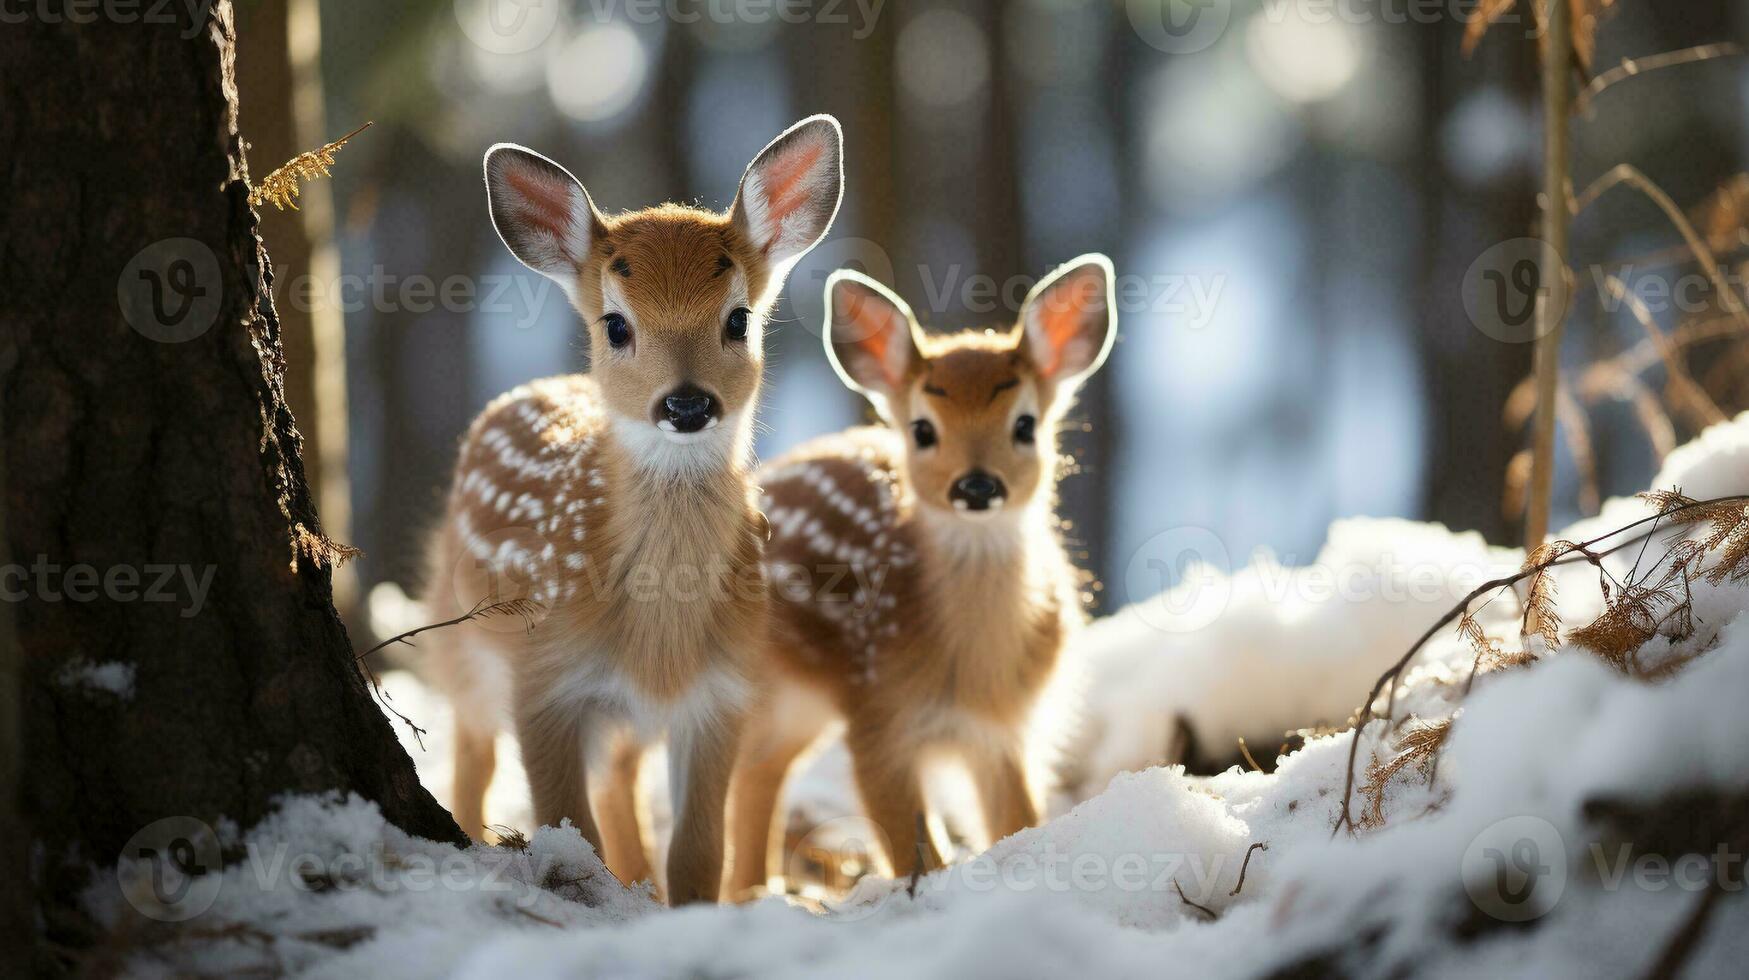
point(128, 452)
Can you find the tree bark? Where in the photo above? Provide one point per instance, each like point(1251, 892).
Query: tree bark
point(145, 428)
point(279, 81)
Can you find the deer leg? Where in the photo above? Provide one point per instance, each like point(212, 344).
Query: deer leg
point(616, 809)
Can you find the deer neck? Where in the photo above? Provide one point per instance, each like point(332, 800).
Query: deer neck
point(986, 575)
point(693, 494)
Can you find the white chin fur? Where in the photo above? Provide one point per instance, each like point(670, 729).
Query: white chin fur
point(658, 448)
point(966, 511)
point(685, 438)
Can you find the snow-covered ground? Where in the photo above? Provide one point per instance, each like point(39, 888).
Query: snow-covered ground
point(1498, 859)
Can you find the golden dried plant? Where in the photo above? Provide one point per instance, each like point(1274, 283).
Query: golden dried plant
point(1719, 226)
point(281, 186)
point(1724, 217)
point(1661, 602)
point(1417, 746)
point(1585, 15)
point(1658, 602)
point(1541, 617)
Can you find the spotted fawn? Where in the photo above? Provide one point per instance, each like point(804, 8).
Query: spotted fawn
point(619, 505)
point(921, 592)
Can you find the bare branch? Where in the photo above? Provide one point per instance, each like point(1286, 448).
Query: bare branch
point(1633, 67)
point(1585, 551)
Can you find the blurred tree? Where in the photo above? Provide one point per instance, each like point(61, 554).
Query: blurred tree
point(157, 436)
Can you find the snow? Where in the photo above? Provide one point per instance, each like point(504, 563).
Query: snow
point(108, 678)
point(1096, 890)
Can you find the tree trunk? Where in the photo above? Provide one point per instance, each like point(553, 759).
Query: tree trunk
point(279, 84)
point(146, 435)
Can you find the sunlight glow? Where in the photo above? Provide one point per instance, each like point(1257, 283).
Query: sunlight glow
point(1303, 59)
point(597, 74)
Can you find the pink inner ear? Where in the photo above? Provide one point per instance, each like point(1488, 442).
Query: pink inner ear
point(1062, 318)
point(872, 321)
point(546, 202)
point(784, 182)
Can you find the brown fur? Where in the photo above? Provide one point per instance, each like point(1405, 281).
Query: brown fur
point(642, 548)
point(926, 629)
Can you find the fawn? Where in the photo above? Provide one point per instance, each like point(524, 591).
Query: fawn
point(920, 592)
point(618, 505)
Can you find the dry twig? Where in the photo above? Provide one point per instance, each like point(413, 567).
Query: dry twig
point(1204, 909)
point(1671, 506)
point(1245, 865)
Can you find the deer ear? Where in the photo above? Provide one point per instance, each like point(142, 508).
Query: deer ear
point(870, 337)
point(790, 192)
point(1069, 319)
point(541, 212)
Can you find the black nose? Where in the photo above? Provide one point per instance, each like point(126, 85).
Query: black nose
point(689, 408)
point(976, 490)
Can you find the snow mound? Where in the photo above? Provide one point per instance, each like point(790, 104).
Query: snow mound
point(1525, 850)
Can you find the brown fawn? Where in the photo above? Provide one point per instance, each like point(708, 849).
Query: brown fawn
point(920, 591)
point(619, 505)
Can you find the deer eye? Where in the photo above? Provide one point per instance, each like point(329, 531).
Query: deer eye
point(923, 431)
point(1023, 429)
point(736, 328)
point(619, 332)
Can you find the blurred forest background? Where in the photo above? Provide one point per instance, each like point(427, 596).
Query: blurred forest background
point(1299, 199)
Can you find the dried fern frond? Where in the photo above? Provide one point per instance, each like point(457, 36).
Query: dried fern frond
point(1584, 17)
point(1417, 746)
point(1541, 617)
point(1517, 479)
point(1641, 610)
point(319, 548)
point(1730, 538)
point(1482, 18)
point(1578, 443)
point(1618, 634)
point(281, 186)
point(509, 837)
point(1724, 218)
point(1666, 501)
